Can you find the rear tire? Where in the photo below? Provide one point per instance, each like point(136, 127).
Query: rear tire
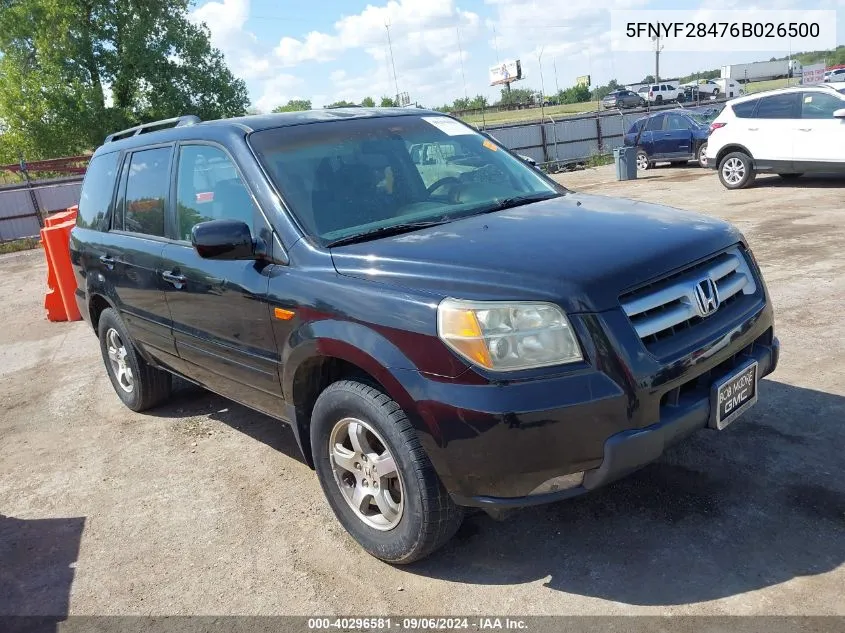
point(137, 383)
point(398, 516)
point(736, 170)
point(643, 163)
point(702, 155)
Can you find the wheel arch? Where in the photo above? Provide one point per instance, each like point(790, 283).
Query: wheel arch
point(326, 354)
point(733, 147)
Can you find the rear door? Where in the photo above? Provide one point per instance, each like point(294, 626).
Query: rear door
point(819, 136)
point(221, 318)
point(131, 252)
point(648, 137)
point(771, 132)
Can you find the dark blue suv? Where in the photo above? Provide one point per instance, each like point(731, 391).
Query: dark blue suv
point(441, 325)
point(674, 136)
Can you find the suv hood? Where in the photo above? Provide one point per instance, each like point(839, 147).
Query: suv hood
point(580, 251)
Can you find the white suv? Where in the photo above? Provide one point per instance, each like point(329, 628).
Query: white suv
point(663, 93)
point(788, 132)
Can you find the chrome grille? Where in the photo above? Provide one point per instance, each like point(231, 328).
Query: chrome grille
point(666, 306)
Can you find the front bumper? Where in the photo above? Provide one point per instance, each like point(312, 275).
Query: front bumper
point(493, 444)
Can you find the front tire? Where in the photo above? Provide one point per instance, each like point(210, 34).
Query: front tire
point(138, 384)
point(736, 170)
point(643, 162)
point(376, 477)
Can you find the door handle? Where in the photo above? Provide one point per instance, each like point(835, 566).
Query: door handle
point(108, 261)
point(176, 279)
point(753, 129)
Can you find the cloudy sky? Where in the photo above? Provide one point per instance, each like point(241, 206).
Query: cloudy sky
point(329, 50)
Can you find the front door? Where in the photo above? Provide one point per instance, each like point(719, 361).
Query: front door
point(820, 137)
point(221, 318)
point(675, 140)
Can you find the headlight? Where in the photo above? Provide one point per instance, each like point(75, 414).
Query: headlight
point(504, 336)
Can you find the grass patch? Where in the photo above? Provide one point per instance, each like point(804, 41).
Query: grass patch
point(773, 84)
point(598, 160)
point(25, 244)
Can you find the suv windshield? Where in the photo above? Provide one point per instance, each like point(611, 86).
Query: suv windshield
point(372, 176)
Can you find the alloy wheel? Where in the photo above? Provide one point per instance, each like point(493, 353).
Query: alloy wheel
point(733, 171)
point(642, 161)
point(366, 474)
point(117, 358)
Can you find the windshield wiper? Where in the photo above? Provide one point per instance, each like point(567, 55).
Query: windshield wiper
point(385, 231)
point(518, 201)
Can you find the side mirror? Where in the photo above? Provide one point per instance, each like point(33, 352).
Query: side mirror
point(528, 159)
point(223, 239)
point(839, 114)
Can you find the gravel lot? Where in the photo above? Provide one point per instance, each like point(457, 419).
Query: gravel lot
point(204, 507)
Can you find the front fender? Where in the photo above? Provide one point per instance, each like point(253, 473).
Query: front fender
point(355, 343)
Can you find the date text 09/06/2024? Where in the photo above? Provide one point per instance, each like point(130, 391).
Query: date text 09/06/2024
point(417, 623)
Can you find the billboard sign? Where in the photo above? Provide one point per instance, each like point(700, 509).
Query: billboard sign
point(505, 73)
point(813, 74)
point(583, 80)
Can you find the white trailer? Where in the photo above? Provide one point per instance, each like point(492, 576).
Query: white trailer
point(762, 71)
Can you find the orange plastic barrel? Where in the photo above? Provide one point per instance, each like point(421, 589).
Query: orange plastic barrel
point(60, 301)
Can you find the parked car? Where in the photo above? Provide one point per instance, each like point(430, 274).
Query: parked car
point(789, 132)
point(622, 99)
point(489, 339)
point(675, 136)
point(837, 74)
point(663, 93)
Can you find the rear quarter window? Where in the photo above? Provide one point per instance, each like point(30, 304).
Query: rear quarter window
point(745, 110)
point(97, 191)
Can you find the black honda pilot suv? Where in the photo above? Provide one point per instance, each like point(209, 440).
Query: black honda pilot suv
point(441, 325)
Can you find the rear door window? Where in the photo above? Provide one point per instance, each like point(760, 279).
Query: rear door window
point(146, 192)
point(783, 106)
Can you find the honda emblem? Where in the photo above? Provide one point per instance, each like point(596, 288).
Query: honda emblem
point(707, 297)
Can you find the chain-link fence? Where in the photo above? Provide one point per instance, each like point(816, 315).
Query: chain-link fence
point(564, 141)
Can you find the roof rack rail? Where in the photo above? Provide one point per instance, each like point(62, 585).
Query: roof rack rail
point(180, 121)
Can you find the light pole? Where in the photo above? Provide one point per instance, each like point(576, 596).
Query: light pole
point(542, 86)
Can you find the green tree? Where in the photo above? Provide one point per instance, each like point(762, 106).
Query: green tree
point(387, 102)
point(368, 102)
point(343, 103)
point(601, 91)
point(294, 105)
point(517, 96)
point(73, 70)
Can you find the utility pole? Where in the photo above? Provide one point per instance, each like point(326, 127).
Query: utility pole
point(557, 86)
point(392, 63)
point(542, 86)
point(657, 49)
point(461, 53)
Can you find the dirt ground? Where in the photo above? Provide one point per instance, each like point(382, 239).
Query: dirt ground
point(204, 507)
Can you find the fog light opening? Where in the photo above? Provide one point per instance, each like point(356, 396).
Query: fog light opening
point(556, 484)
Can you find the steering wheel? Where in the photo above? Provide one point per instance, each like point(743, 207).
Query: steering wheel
point(439, 183)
